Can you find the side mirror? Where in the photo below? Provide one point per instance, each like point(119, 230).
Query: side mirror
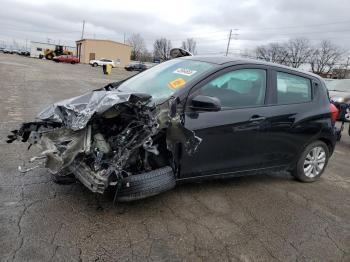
point(206, 103)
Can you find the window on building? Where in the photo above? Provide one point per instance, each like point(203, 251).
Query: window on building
point(292, 89)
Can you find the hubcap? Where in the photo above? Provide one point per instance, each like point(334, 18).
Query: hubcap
point(314, 162)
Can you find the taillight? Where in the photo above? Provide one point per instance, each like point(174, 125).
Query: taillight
point(334, 112)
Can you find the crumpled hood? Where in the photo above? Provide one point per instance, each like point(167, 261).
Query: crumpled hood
point(76, 112)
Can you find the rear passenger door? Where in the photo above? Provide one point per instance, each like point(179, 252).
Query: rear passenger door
point(289, 119)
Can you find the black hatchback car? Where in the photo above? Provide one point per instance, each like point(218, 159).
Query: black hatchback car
point(186, 119)
point(136, 67)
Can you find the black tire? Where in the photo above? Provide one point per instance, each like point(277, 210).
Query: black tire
point(299, 172)
point(94, 64)
point(147, 184)
point(64, 177)
point(72, 63)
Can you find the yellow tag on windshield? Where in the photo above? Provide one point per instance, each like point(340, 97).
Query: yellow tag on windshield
point(177, 83)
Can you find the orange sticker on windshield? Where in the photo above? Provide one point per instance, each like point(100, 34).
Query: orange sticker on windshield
point(177, 83)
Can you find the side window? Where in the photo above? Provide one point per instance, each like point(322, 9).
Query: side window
point(39, 49)
point(292, 89)
point(239, 88)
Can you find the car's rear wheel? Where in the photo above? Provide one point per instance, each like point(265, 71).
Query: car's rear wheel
point(347, 114)
point(94, 64)
point(146, 184)
point(312, 162)
point(72, 62)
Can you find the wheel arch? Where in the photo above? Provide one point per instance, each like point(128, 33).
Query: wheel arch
point(323, 139)
point(329, 144)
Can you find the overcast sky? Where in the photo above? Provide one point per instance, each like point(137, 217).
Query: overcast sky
point(208, 22)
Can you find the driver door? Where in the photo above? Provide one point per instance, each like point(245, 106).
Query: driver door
point(229, 136)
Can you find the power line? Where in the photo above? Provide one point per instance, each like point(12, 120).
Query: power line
point(299, 26)
point(305, 32)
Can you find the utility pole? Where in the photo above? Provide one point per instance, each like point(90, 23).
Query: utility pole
point(228, 43)
point(235, 36)
point(124, 37)
point(82, 31)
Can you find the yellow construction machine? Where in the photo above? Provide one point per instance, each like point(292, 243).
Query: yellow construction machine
point(59, 50)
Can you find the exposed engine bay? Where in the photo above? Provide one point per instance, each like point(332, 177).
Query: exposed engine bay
point(107, 135)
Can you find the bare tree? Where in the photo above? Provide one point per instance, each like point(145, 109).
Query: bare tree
point(146, 56)
point(325, 57)
point(190, 45)
point(273, 52)
point(138, 46)
point(162, 48)
point(299, 51)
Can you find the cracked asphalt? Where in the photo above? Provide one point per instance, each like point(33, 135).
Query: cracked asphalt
point(268, 217)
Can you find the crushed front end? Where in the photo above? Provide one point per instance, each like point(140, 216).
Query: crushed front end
point(106, 135)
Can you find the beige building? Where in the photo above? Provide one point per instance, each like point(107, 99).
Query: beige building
point(90, 49)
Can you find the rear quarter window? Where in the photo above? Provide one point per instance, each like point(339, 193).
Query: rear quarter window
point(293, 89)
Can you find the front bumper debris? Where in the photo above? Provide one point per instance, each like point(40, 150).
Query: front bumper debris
point(106, 135)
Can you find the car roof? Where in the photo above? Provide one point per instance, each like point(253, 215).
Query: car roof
point(221, 60)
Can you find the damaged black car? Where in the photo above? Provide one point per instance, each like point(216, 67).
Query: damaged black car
point(186, 119)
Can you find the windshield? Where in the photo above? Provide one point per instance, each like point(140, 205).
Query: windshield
point(338, 85)
point(165, 79)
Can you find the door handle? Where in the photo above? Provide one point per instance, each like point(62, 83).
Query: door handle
point(257, 118)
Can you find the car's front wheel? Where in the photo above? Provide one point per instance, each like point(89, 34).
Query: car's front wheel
point(94, 64)
point(147, 184)
point(64, 177)
point(312, 162)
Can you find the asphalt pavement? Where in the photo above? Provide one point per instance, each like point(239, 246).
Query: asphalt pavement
point(268, 217)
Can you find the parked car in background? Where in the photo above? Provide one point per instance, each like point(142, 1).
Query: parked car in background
point(66, 59)
point(186, 119)
point(136, 67)
point(101, 62)
point(7, 51)
point(25, 53)
point(339, 92)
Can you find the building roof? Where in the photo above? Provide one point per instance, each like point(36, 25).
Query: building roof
point(102, 40)
point(36, 42)
point(220, 60)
